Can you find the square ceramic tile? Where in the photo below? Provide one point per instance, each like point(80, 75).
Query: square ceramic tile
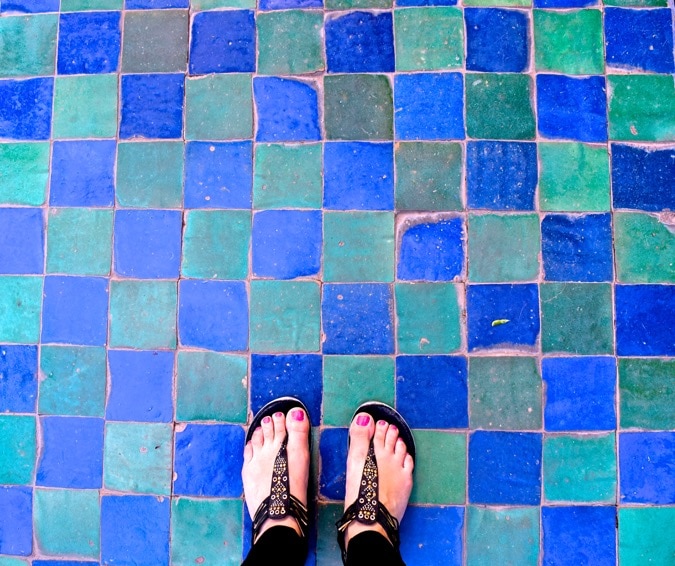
point(421, 525)
point(645, 460)
point(85, 106)
point(510, 53)
point(152, 106)
point(16, 516)
point(24, 173)
point(18, 388)
point(18, 441)
point(31, 45)
point(641, 536)
point(22, 241)
point(34, 97)
point(20, 309)
point(89, 43)
point(645, 396)
point(442, 471)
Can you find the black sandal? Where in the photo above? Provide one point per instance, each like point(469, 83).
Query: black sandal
point(367, 508)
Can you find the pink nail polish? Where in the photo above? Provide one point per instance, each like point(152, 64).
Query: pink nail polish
point(363, 420)
point(278, 414)
point(393, 427)
point(382, 423)
point(267, 420)
point(299, 415)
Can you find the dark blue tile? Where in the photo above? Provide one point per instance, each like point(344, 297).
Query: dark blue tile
point(497, 40)
point(213, 315)
point(431, 391)
point(579, 535)
point(140, 387)
point(16, 520)
point(63, 563)
point(519, 304)
point(287, 243)
point(645, 320)
point(639, 39)
point(580, 393)
point(564, 3)
point(429, 106)
point(147, 243)
point(432, 536)
point(288, 4)
point(30, 6)
point(83, 173)
point(296, 375)
point(646, 467)
point(577, 248)
point(18, 385)
point(89, 42)
point(358, 176)
point(208, 460)
point(72, 452)
point(26, 109)
point(75, 310)
point(501, 175)
point(432, 251)
point(21, 241)
point(156, 4)
point(405, 3)
point(223, 42)
point(572, 108)
point(152, 106)
point(218, 175)
point(643, 179)
point(360, 42)
point(333, 450)
point(505, 468)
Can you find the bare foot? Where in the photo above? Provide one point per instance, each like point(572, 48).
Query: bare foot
point(260, 453)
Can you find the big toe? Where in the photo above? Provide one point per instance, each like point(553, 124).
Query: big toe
point(361, 432)
point(297, 426)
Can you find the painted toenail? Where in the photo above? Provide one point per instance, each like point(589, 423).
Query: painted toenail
point(267, 420)
point(278, 414)
point(299, 415)
point(393, 427)
point(382, 423)
point(363, 420)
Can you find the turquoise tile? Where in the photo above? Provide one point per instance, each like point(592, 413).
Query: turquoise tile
point(18, 444)
point(24, 172)
point(28, 45)
point(20, 308)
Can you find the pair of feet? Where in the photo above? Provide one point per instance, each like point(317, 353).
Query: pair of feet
point(395, 465)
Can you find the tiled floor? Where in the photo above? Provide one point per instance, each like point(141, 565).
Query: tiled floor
point(463, 210)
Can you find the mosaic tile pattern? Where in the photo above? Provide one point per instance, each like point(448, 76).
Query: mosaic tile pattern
point(462, 209)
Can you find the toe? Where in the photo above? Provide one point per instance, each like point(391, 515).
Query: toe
point(267, 429)
point(257, 438)
point(408, 463)
point(380, 433)
point(400, 450)
point(297, 425)
point(279, 422)
point(360, 432)
point(248, 452)
point(391, 437)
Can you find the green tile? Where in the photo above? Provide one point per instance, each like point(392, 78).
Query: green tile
point(576, 318)
point(327, 549)
point(8, 561)
point(644, 247)
point(79, 241)
point(206, 531)
point(290, 42)
point(641, 107)
point(219, 107)
point(358, 246)
point(20, 307)
point(429, 39)
point(499, 106)
point(569, 42)
point(646, 535)
point(647, 393)
point(504, 393)
point(356, 4)
point(349, 381)
point(523, 3)
point(28, 45)
point(67, 521)
point(72, 381)
point(428, 176)
point(216, 244)
point(143, 314)
point(358, 107)
point(85, 106)
point(503, 247)
point(638, 3)
point(287, 176)
point(211, 4)
point(285, 316)
point(24, 172)
point(440, 468)
point(17, 449)
point(81, 5)
point(150, 174)
point(201, 380)
point(573, 177)
point(428, 318)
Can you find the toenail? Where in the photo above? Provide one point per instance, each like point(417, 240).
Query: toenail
point(278, 414)
point(363, 420)
point(299, 415)
point(382, 423)
point(393, 427)
point(267, 420)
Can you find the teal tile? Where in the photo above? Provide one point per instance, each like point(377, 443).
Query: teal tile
point(440, 468)
point(85, 5)
point(644, 535)
point(28, 45)
point(647, 393)
point(24, 172)
point(7, 561)
point(18, 446)
point(211, 4)
point(327, 549)
point(20, 308)
point(357, 4)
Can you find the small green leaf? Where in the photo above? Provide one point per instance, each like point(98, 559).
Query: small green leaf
point(500, 321)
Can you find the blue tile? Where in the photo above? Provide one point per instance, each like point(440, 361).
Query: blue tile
point(564, 3)
point(75, 310)
point(140, 387)
point(579, 535)
point(18, 385)
point(83, 173)
point(287, 243)
point(21, 241)
point(16, 520)
point(223, 42)
point(288, 4)
point(63, 563)
point(358, 176)
point(639, 39)
point(572, 108)
point(501, 175)
point(148, 243)
point(577, 248)
point(429, 106)
point(646, 467)
point(30, 6)
point(360, 42)
point(135, 530)
point(645, 320)
point(580, 393)
point(213, 315)
point(431, 391)
point(89, 42)
point(218, 175)
point(296, 375)
point(156, 4)
point(519, 304)
point(505, 468)
point(643, 179)
point(497, 40)
point(26, 109)
point(432, 251)
point(208, 460)
point(426, 2)
point(432, 536)
point(152, 106)
point(333, 450)
point(72, 452)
